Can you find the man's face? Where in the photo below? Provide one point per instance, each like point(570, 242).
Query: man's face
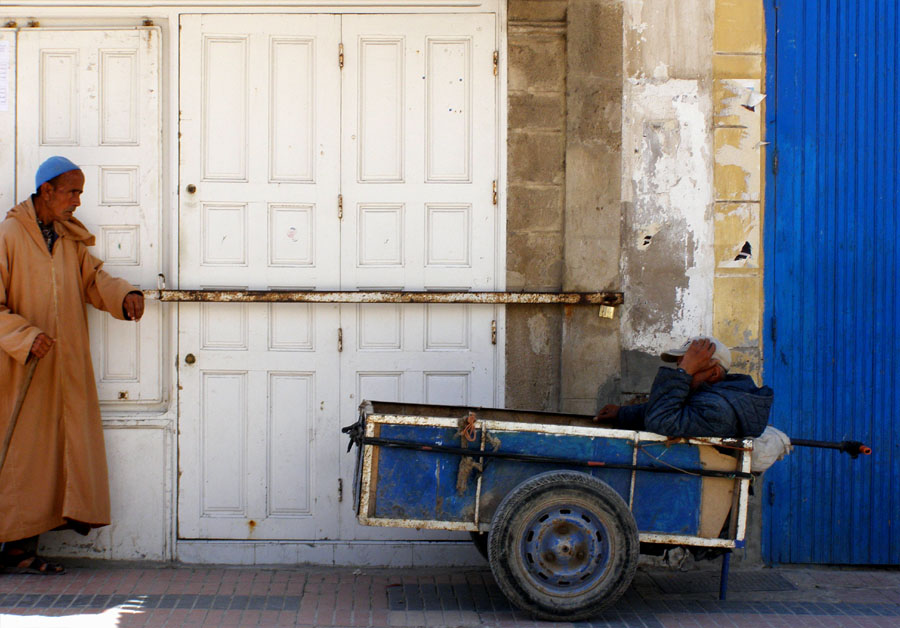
point(710, 375)
point(62, 199)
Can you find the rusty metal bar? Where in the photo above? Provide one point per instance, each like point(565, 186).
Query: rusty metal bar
point(381, 296)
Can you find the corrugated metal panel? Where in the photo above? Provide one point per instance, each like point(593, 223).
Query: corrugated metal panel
point(831, 279)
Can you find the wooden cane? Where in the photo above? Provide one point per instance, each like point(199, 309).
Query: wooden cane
point(29, 374)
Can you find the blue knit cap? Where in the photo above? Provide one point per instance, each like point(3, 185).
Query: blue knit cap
point(52, 168)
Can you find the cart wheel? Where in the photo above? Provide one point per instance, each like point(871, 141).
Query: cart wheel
point(563, 545)
point(480, 539)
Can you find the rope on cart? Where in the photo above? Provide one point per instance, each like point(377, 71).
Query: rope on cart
point(663, 462)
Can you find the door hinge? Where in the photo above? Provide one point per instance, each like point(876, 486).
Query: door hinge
point(340, 490)
point(494, 192)
point(496, 62)
point(771, 493)
point(340, 339)
point(774, 160)
point(774, 330)
point(341, 56)
point(493, 332)
point(340, 206)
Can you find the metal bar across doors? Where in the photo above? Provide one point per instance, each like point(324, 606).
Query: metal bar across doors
point(380, 296)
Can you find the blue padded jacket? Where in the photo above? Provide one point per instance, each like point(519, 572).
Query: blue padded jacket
point(734, 407)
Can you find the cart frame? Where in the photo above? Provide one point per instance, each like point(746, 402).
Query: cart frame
point(367, 473)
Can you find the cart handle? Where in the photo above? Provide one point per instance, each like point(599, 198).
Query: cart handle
point(852, 447)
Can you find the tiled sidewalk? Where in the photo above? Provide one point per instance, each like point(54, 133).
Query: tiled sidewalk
point(104, 595)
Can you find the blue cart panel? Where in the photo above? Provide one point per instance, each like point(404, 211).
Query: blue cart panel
point(448, 467)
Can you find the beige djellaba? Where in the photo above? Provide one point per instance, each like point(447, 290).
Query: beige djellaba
point(55, 468)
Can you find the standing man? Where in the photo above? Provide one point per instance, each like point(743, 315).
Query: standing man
point(698, 397)
point(55, 472)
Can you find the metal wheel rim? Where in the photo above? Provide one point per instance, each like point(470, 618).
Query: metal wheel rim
point(565, 549)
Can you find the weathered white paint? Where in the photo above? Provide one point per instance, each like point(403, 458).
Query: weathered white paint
point(93, 96)
point(112, 125)
point(411, 155)
point(155, 521)
point(418, 152)
point(593, 431)
point(739, 146)
point(260, 143)
point(140, 486)
point(8, 121)
point(667, 179)
point(257, 6)
point(418, 553)
point(667, 175)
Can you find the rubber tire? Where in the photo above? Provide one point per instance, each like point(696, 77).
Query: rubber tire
point(480, 539)
point(560, 488)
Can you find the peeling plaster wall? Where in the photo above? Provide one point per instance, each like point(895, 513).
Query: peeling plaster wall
point(667, 191)
point(738, 68)
point(668, 260)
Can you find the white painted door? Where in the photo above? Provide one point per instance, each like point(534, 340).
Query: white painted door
point(419, 161)
point(419, 152)
point(7, 118)
point(93, 96)
point(406, 133)
point(258, 417)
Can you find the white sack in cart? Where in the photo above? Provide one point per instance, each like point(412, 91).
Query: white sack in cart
point(768, 448)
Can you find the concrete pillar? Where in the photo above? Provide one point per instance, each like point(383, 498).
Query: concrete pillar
point(536, 198)
point(590, 344)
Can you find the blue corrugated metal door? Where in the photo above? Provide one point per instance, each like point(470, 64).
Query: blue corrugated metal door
point(832, 299)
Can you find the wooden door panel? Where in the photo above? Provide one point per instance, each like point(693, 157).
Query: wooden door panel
point(93, 96)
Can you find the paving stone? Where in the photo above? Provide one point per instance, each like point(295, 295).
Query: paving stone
point(167, 601)
point(99, 601)
point(28, 600)
point(81, 601)
point(248, 596)
point(239, 602)
point(63, 601)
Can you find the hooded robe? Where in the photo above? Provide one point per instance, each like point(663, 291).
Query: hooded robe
point(56, 464)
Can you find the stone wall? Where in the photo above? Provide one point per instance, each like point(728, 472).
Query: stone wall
point(633, 166)
point(565, 103)
point(590, 358)
point(536, 198)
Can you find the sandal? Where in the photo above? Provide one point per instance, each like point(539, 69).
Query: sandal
point(18, 562)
